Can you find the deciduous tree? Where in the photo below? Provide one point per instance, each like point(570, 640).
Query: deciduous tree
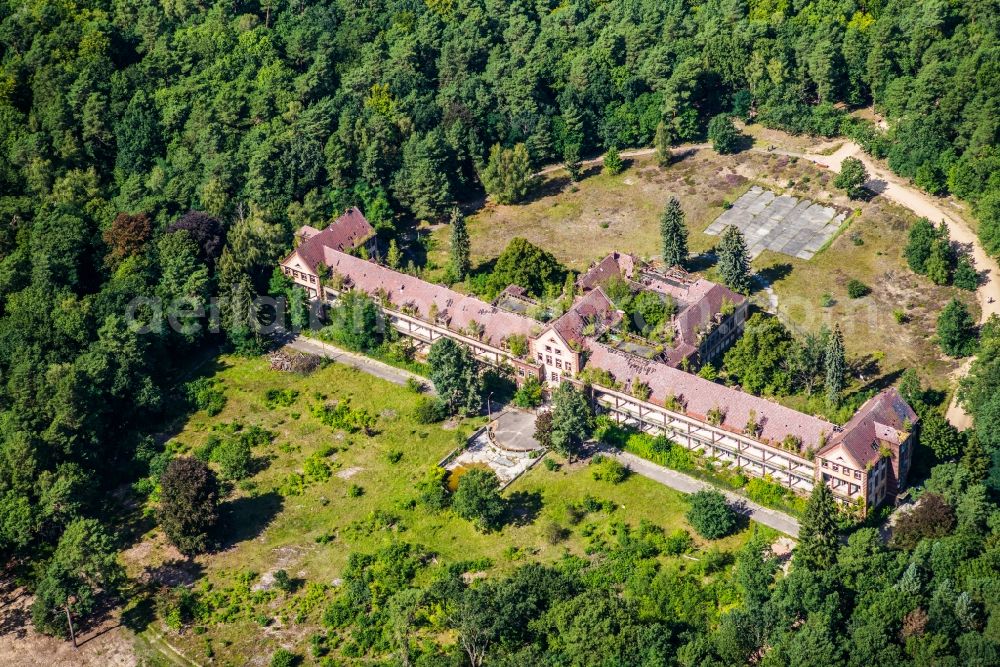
point(189, 501)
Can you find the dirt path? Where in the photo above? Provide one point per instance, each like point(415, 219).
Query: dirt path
point(893, 188)
point(896, 189)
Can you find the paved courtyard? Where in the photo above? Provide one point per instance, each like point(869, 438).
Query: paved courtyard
point(785, 224)
point(512, 450)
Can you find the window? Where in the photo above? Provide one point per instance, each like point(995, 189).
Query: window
point(568, 367)
point(558, 363)
point(548, 359)
point(825, 465)
point(836, 468)
point(558, 351)
point(539, 356)
point(555, 376)
point(857, 474)
point(312, 279)
point(548, 348)
point(520, 371)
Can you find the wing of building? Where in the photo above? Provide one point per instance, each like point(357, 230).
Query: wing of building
point(865, 462)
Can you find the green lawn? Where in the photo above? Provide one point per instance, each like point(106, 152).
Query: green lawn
point(266, 531)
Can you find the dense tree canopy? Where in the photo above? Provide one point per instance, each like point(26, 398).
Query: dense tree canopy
point(227, 125)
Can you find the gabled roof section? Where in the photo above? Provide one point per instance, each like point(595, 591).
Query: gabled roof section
point(616, 264)
point(593, 308)
point(699, 396)
point(404, 291)
point(884, 419)
point(347, 232)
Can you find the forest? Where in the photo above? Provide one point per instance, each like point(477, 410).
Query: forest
point(162, 152)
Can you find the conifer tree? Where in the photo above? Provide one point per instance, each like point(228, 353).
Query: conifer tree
point(571, 160)
point(459, 245)
point(393, 257)
point(818, 531)
point(975, 458)
point(835, 363)
point(662, 140)
point(734, 259)
point(674, 234)
point(613, 164)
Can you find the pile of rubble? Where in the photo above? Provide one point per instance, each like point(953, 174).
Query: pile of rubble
point(293, 361)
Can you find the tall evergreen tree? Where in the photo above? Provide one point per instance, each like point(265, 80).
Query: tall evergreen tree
point(818, 531)
point(835, 363)
point(571, 160)
point(460, 248)
point(572, 419)
point(674, 234)
point(734, 259)
point(663, 140)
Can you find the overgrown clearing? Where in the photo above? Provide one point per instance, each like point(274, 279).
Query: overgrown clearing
point(580, 223)
point(312, 535)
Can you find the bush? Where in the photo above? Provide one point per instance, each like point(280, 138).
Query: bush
point(206, 395)
point(284, 658)
point(234, 458)
point(857, 289)
point(607, 469)
point(711, 515)
point(766, 492)
point(274, 398)
point(429, 410)
point(355, 491)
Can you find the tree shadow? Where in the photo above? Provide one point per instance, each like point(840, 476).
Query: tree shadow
point(702, 261)
point(244, 518)
point(742, 512)
point(547, 188)
point(775, 272)
point(523, 507)
point(879, 383)
point(172, 573)
point(681, 155)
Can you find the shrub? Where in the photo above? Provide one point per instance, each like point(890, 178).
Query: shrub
point(205, 394)
point(415, 385)
point(234, 458)
point(900, 316)
point(711, 515)
point(283, 581)
point(429, 410)
point(857, 289)
point(765, 492)
point(607, 469)
point(551, 465)
point(355, 491)
point(554, 533)
point(394, 456)
point(284, 658)
point(275, 398)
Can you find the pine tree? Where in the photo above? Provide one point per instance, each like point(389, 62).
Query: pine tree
point(393, 257)
point(835, 366)
point(817, 548)
point(975, 459)
point(673, 234)
point(507, 175)
point(734, 260)
point(613, 164)
point(956, 330)
point(663, 140)
point(460, 262)
point(571, 160)
point(965, 275)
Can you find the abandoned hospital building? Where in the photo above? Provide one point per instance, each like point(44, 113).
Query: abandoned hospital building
point(640, 382)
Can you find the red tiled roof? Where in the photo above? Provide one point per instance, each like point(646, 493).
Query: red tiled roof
point(594, 307)
point(699, 396)
point(404, 290)
point(700, 312)
point(883, 418)
point(347, 232)
point(615, 264)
